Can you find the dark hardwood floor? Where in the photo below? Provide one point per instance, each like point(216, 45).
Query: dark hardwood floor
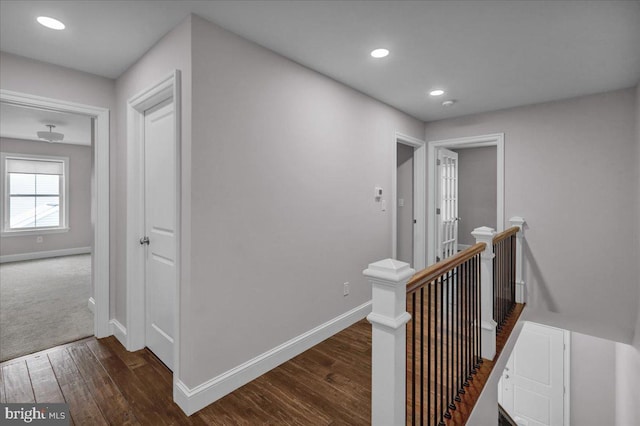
point(330, 384)
point(103, 384)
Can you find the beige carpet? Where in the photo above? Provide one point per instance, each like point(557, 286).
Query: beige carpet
point(43, 303)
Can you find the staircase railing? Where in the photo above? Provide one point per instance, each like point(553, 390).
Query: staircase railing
point(443, 336)
point(431, 330)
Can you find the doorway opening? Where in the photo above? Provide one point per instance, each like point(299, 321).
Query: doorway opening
point(47, 191)
point(435, 190)
point(408, 209)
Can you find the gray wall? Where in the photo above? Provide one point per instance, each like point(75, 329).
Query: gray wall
point(284, 164)
point(570, 171)
point(404, 220)
point(593, 380)
point(80, 232)
point(477, 195)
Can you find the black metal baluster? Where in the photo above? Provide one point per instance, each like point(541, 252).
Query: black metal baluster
point(442, 409)
point(452, 290)
point(422, 355)
point(477, 261)
point(429, 342)
point(447, 308)
point(495, 284)
point(413, 358)
point(513, 269)
point(460, 339)
point(470, 334)
point(435, 354)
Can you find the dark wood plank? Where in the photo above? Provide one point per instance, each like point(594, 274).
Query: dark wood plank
point(43, 380)
point(147, 375)
point(17, 383)
point(84, 409)
point(45, 351)
point(327, 385)
point(142, 401)
point(114, 407)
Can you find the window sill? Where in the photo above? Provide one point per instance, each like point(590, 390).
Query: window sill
point(42, 231)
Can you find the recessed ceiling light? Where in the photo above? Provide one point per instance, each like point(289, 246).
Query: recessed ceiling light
point(379, 53)
point(437, 92)
point(52, 23)
point(448, 103)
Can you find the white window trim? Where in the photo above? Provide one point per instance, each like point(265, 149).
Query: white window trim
point(4, 194)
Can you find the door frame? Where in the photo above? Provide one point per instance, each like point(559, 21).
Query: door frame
point(495, 139)
point(419, 202)
point(99, 195)
point(136, 106)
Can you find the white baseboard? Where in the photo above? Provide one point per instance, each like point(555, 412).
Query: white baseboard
point(191, 400)
point(119, 330)
point(520, 292)
point(92, 305)
point(44, 254)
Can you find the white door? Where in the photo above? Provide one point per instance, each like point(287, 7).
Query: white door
point(532, 384)
point(160, 229)
point(447, 204)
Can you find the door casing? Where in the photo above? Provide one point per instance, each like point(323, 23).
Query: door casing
point(497, 140)
point(419, 202)
point(169, 87)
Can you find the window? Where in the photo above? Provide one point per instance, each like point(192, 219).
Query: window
point(34, 193)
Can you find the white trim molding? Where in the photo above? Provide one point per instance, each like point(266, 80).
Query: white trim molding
point(91, 304)
point(99, 192)
point(44, 254)
point(497, 140)
point(118, 330)
point(419, 199)
point(193, 399)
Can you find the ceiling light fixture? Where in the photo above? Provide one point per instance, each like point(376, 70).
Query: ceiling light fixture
point(379, 53)
point(52, 23)
point(436, 92)
point(448, 103)
point(51, 136)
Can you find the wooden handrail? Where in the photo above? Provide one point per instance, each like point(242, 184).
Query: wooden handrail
point(505, 234)
point(437, 269)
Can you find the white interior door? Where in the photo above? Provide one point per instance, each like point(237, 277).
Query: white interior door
point(160, 229)
point(532, 385)
point(447, 204)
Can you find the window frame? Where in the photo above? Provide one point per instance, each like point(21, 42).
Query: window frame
point(5, 231)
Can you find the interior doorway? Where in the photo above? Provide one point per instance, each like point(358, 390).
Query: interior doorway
point(433, 178)
point(477, 194)
point(98, 199)
point(405, 219)
point(408, 188)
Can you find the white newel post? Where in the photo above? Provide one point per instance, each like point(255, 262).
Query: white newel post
point(487, 325)
point(388, 318)
point(521, 294)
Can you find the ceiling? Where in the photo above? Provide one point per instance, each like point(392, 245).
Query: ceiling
point(18, 122)
point(487, 55)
